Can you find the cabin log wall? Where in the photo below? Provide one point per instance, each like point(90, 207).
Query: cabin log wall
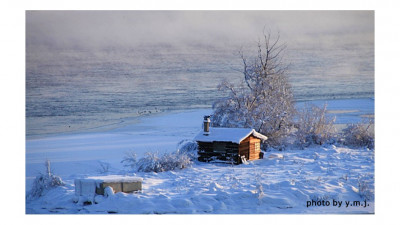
point(206, 152)
point(247, 147)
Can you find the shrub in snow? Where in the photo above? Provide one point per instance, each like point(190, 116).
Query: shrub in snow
point(263, 100)
point(153, 162)
point(259, 187)
point(366, 186)
point(129, 160)
point(44, 182)
point(103, 167)
point(156, 162)
point(360, 135)
point(189, 148)
point(314, 126)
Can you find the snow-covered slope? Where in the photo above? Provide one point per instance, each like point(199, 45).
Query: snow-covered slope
point(271, 185)
point(286, 182)
point(80, 154)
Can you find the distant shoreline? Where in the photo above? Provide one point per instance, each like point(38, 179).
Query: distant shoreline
point(340, 109)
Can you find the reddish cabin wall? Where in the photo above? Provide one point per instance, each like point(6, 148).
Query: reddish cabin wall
point(250, 148)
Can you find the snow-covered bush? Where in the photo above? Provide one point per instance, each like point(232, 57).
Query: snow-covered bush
point(360, 135)
point(129, 160)
point(263, 100)
point(153, 162)
point(156, 162)
point(44, 182)
point(314, 126)
point(104, 167)
point(188, 147)
point(366, 186)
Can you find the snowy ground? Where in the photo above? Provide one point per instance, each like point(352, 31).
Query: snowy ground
point(282, 182)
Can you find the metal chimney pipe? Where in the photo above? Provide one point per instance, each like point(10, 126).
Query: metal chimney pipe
point(206, 125)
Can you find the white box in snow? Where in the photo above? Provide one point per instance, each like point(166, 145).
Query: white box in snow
point(95, 185)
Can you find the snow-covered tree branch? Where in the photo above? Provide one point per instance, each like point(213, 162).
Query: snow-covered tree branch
point(263, 100)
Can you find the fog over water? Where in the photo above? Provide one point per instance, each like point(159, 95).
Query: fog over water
point(87, 69)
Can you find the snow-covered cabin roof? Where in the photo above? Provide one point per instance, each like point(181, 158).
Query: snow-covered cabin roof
point(223, 134)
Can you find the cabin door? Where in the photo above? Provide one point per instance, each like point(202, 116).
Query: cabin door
point(245, 152)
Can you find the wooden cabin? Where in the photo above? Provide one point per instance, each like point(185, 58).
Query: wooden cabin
point(228, 144)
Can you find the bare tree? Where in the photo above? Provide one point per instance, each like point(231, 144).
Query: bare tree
point(263, 100)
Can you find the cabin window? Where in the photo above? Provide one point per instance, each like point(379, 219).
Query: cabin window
point(257, 146)
point(219, 147)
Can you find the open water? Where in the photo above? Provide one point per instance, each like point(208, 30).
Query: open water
point(71, 90)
